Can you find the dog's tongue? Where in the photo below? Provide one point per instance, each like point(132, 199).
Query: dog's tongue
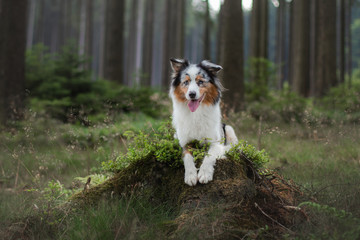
point(193, 105)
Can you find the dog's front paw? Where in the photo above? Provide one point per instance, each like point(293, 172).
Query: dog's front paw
point(191, 177)
point(206, 173)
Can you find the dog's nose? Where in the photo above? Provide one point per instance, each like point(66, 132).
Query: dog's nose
point(192, 95)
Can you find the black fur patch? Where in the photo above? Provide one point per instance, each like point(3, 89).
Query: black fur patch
point(176, 77)
point(209, 73)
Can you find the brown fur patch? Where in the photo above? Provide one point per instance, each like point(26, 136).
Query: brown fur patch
point(211, 92)
point(180, 92)
point(207, 88)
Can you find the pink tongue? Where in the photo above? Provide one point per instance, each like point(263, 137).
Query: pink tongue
point(193, 105)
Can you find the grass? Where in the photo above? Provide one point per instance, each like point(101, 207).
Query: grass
point(323, 159)
point(128, 218)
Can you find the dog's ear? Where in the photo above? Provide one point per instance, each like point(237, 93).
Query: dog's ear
point(211, 67)
point(178, 64)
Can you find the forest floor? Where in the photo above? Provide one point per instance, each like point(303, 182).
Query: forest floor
point(44, 161)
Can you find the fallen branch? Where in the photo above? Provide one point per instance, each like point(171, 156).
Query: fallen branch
point(266, 215)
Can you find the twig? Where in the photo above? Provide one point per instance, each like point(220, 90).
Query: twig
point(266, 215)
point(292, 208)
point(17, 173)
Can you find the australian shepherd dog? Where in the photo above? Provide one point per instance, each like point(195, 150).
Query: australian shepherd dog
point(195, 92)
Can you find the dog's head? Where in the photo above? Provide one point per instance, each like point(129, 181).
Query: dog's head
point(195, 84)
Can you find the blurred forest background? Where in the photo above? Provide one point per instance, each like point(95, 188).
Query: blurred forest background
point(308, 45)
point(77, 75)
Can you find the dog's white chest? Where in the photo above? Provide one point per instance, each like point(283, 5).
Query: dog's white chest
point(205, 123)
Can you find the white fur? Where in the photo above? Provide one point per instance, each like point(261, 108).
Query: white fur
point(204, 123)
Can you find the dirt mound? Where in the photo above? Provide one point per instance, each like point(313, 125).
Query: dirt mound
point(237, 203)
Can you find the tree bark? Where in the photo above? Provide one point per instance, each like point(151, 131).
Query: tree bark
point(139, 43)
point(148, 42)
point(326, 47)
point(342, 42)
point(40, 22)
point(259, 41)
point(259, 29)
point(280, 46)
point(233, 74)
point(12, 59)
point(131, 49)
point(300, 47)
point(62, 24)
point(113, 63)
point(313, 45)
point(82, 27)
point(348, 40)
point(207, 32)
point(173, 36)
point(89, 32)
point(102, 30)
point(31, 24)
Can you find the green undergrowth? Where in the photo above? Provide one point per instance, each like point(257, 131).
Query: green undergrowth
point(59, 86)
point(340, 223)
point(162, 145)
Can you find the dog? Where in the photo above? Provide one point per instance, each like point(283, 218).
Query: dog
point(195, 91)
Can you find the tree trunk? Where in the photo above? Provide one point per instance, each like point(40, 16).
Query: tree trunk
point(259, 41)
point(139, 43)
point(82, 27)
point(31, 24)
point(326, 47)
point(41, 22)
point(207, 32)
point(220, 35)
point(102, 39)
point(301, 47)
point(259, 29)
point(313, 45)
point(89, 32)
point(148, 42)
point(68, 20)
point(62, 24)
point(131, 49)
point(12, 59)
point(233, 74)
point(173, 36)
point(342, 42)
point(348, 40)
point(113, 64)
point(280, 46)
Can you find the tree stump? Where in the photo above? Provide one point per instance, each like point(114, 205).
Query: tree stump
point(235, 204)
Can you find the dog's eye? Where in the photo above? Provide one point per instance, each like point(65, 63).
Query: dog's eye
point(200, 82)
point(186, 83)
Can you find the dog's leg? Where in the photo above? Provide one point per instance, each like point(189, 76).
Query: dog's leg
point(206, 171)
point(230, 135)
point(190, 169)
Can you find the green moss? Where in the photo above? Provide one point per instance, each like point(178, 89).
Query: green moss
point(245, 150)
point(161, 145)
